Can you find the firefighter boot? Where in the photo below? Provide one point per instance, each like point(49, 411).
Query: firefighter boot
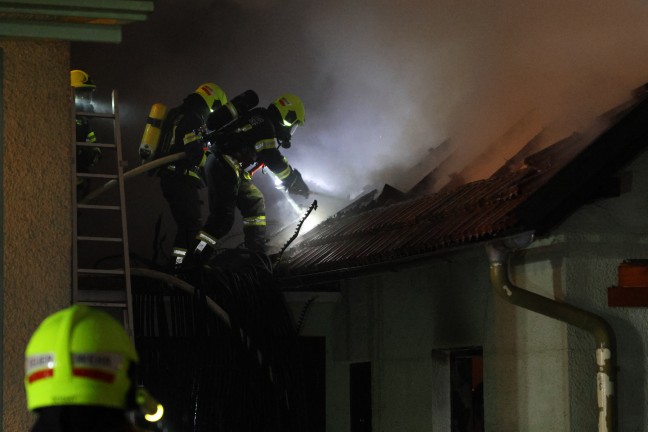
point(204, 248)
point(178, 256)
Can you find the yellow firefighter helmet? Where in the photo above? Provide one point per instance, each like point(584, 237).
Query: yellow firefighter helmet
point(292, 111)
point(80, 79)
point(213, 95)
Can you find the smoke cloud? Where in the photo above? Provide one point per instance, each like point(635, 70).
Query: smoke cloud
point(385, 83)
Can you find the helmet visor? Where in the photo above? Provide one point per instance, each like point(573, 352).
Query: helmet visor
point(291, 127)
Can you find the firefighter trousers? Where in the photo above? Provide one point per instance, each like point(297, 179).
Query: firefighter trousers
point(230, 187)
point(182, 194)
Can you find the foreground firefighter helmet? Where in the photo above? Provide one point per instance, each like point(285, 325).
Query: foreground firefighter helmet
point(79, 79)
point(212, 94)
point(80, 356)
point(292, 111)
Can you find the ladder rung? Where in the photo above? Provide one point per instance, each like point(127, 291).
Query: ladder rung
point(92, 175)
point(118, 294)
point(101, 271)
point(88, 144)
point(98, 207)
point(100, 239)
point(95, 114)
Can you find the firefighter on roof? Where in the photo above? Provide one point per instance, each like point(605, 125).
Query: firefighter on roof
point(181, 180)
point(254, 138)
point(86, 157)
point(80, 374)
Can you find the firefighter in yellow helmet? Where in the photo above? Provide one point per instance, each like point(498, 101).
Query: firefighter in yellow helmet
point(254, 139)
point(86, 157)
point(181, 180)
point(80, 374)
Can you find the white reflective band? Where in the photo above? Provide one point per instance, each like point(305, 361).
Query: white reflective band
point(270, 143)
point(109, 361)
point(179, 252)
point(206, 238)
point(245, 128)
point(179, 260)
point(201, 246)
point(38, 362)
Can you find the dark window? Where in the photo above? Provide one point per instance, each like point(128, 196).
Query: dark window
point(360, 396)
point(466, 387)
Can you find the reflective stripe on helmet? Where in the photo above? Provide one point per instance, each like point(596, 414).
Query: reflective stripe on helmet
point(97, 366)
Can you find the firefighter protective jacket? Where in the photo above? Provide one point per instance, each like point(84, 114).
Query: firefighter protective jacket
point(254, 138)
point(178, 136)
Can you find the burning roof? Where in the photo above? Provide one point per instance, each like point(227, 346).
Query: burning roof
point(532, 191)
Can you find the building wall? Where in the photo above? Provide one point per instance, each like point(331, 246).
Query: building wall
point(526, 363)
point(539, 373)
point(36, 213)
point(600, 236)
point(406, 323)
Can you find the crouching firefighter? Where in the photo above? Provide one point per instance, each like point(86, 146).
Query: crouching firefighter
point(181, 180)
point(252, 140)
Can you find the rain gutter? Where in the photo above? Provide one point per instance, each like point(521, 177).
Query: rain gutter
point(394, 265)
point(498, 254)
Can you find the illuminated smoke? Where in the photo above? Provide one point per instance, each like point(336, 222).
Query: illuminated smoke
point(385, 82)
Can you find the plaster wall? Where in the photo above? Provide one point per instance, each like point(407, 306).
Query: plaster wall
point(526, 354)
point(36, 212)
point(406, 322)
point(600, 236)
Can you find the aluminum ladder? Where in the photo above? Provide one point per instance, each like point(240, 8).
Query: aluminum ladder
point(117, 301)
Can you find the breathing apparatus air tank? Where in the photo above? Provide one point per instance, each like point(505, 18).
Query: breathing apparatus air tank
point(151, 136)
point(232, 110)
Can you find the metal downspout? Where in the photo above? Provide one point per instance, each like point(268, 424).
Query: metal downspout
point(499, 254)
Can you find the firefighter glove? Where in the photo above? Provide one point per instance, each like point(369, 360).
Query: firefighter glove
point(295, 184)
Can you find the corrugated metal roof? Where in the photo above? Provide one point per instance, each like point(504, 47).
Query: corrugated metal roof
point(470, 213)
point(474, 211)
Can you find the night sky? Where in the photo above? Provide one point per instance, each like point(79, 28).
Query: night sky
point(384, 83)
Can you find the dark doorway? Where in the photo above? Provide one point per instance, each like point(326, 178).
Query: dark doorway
point(360, 396)
point(313, 354)
point(466, 390)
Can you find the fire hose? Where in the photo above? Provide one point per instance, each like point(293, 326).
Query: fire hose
point(133, 173)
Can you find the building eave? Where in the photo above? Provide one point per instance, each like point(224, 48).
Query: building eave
point(70, 20)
